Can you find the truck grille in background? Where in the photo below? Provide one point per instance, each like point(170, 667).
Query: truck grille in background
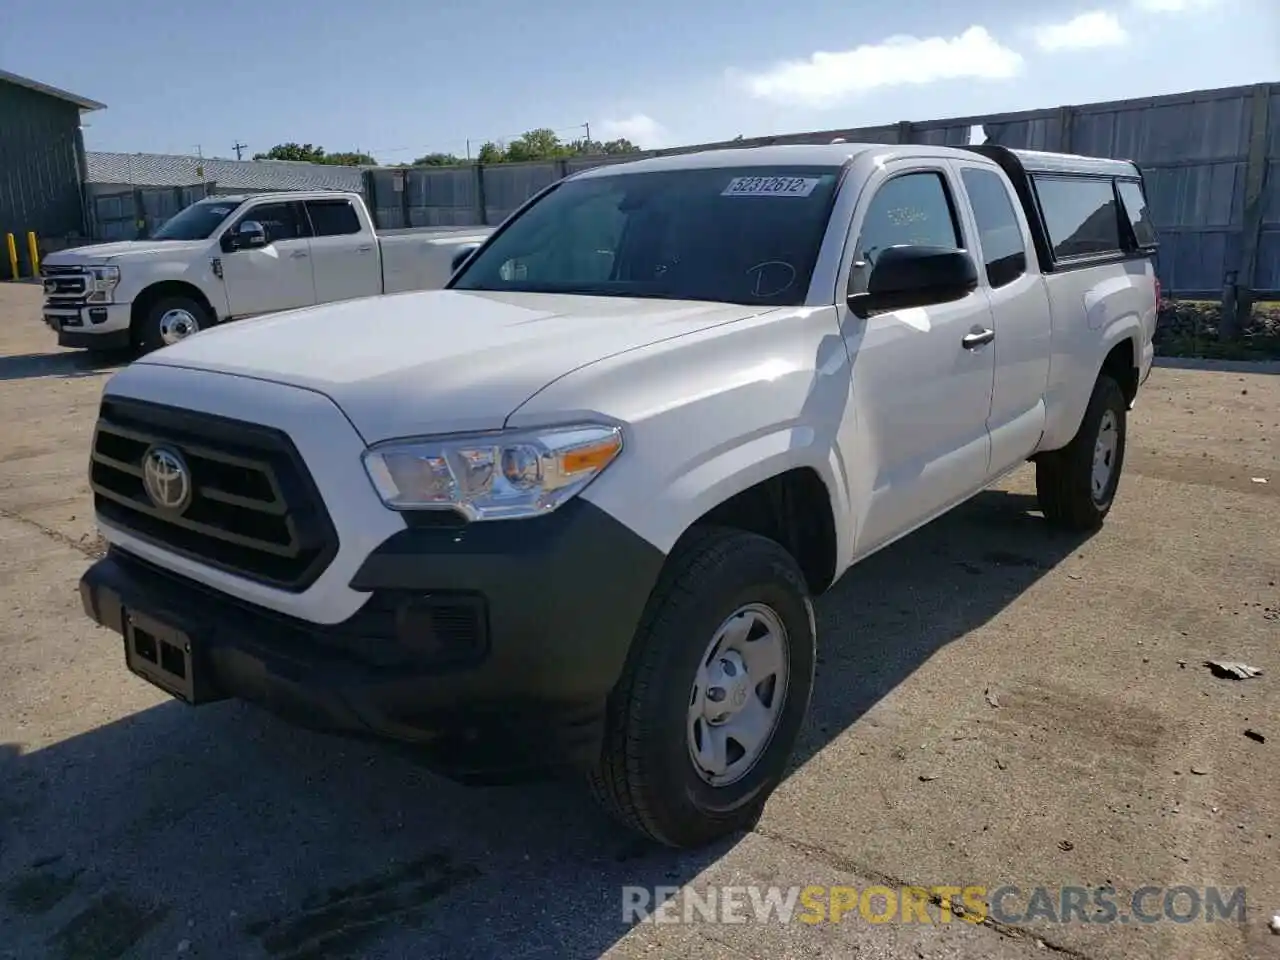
point(254, 509)
point(64, 286)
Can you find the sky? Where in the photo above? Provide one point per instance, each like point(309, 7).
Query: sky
point(399, 79)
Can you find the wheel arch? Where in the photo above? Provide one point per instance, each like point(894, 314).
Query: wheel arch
point(794, 509)
point(150, 295)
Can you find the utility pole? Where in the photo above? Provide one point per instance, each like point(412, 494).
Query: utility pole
point(238, 147)
point(588, 126)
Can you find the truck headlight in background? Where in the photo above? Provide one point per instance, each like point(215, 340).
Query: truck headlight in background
point(102, 283)
point(496, 476)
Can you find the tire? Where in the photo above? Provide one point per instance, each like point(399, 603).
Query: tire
point(156, 327)
point(1070, 496)
point(646, 776)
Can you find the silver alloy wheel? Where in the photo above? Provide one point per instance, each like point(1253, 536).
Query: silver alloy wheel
point(177, 325)
point(1104, 454)
point(738, 695)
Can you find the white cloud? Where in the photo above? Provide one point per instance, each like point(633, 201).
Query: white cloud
point(639, 128)
point(1098, 28)
point(826, 79)
point(1174, 6)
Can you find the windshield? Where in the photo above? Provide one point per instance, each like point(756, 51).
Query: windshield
point(745, 235)
point(197, 222)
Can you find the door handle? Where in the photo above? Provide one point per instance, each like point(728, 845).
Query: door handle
point(364, 249)
point(298, 254)
point(977, 337)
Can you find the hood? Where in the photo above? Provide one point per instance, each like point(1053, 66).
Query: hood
point(123, 249)
point(441, 361)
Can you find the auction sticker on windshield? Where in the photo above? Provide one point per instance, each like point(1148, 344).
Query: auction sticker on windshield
point(770, 186)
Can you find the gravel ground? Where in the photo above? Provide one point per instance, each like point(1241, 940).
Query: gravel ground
point(995, 705)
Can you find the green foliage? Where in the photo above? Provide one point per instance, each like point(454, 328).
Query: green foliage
point(540, 144)
point(543, 144)
point(436, 160)
point(350, 159)
point(308, 153)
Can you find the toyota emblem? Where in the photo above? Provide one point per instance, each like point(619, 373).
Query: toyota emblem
point(166, 479)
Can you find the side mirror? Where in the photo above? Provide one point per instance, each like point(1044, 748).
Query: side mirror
point(911, 276)
point(249, 234)
point(462, 254)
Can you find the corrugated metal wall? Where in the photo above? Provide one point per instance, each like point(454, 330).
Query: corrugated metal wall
point(1212, 159)
point(39, 164)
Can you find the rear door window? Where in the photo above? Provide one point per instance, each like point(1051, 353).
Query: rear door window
point(1003, 250)
point(333, 218)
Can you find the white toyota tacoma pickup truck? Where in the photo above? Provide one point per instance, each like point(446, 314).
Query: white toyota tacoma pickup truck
point(573, 508)
point(224, 258)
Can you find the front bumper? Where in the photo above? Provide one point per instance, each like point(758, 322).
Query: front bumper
point(495, 643)
point(98, 326)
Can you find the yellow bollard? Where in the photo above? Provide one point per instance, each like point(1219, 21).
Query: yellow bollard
point(34, 250)
point(13, 257)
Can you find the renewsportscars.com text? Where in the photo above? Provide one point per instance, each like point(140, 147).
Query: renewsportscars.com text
point(1007, 904)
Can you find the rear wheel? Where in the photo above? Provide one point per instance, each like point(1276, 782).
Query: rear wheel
point(1076, 485)
point(168, 321)
point(702, 723)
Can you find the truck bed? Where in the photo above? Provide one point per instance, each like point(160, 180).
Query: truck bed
point(421, 258)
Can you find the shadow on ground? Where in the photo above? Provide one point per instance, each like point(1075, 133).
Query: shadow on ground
point(225, 833)
point(63, 363)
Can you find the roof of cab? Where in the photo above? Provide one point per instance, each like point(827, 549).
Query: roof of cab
point(837, 154)
point(779, 155)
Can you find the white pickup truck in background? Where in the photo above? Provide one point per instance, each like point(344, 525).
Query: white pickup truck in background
point(224, 258)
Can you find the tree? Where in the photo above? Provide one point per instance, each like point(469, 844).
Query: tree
point(350, 159)
point(293, 151)
point(621, 145)
point(437, 160)
point(308, 153)
point(492, 153)
point(543, 144)
point(540, 144)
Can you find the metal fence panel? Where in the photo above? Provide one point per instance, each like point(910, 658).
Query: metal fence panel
point(508, 185)
point(129, 214)
point(1025, 133)
point(941, 134)
point(442, 197)
point(1198, 151)
point(114, 217)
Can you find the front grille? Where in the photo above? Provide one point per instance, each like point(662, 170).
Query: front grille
point(64, 286)
point(253, 510)
point(48, 271)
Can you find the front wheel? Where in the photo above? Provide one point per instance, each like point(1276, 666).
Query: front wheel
point(1077, 484)
point(168, 321)
point(702, 723)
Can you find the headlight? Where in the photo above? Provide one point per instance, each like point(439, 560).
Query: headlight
point(103, 281)
point(496, 476)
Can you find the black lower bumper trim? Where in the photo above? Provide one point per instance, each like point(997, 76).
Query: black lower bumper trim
point(539, 618)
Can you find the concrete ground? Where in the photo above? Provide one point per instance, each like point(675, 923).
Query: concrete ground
point(995, 705)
